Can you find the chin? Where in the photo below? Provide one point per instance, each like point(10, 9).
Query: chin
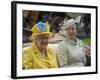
point(72, 38)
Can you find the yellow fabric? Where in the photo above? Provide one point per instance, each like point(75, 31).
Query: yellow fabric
point(32, 58)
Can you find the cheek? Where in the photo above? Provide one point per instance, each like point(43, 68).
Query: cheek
point(39, 42)
point(72, 33)
point(75, 32)
point(69, 32)
point(46, 42)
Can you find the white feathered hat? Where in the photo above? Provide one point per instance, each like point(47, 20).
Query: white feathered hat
point(68, 23)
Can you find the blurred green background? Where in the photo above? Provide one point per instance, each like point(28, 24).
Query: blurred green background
point(87, 41)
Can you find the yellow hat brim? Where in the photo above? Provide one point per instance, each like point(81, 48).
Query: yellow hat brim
point(50, 35)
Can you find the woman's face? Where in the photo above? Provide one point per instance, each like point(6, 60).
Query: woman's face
point(42, 41)
point(71, 31)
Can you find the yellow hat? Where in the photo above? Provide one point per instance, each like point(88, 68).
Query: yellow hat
point(39, 29)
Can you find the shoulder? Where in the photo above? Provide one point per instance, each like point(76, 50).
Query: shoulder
point(51, 49)
point(27, 50)
point(80, 42)
point(63, 44)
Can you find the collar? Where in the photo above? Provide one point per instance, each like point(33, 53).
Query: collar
point(35, 48)
point(72, 42)
point(38, 54)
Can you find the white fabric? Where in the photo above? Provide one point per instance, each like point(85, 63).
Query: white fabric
point(71, 53)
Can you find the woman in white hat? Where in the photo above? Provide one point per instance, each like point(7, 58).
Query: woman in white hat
point(39, 55)
point(70, 51)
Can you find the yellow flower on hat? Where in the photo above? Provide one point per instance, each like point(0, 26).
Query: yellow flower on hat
point(39, 29)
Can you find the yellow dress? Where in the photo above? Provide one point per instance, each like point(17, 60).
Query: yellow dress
point(32, 58)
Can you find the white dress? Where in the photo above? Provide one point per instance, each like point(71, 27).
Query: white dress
point(71, 53)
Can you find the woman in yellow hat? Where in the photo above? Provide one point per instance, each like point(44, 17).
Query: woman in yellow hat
point(39, 55)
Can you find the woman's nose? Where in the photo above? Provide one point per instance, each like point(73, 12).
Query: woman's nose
point(45, 40)
point(70, 30)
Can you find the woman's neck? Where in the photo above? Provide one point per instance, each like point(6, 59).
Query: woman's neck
point(42, 50)
point(72, 39)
